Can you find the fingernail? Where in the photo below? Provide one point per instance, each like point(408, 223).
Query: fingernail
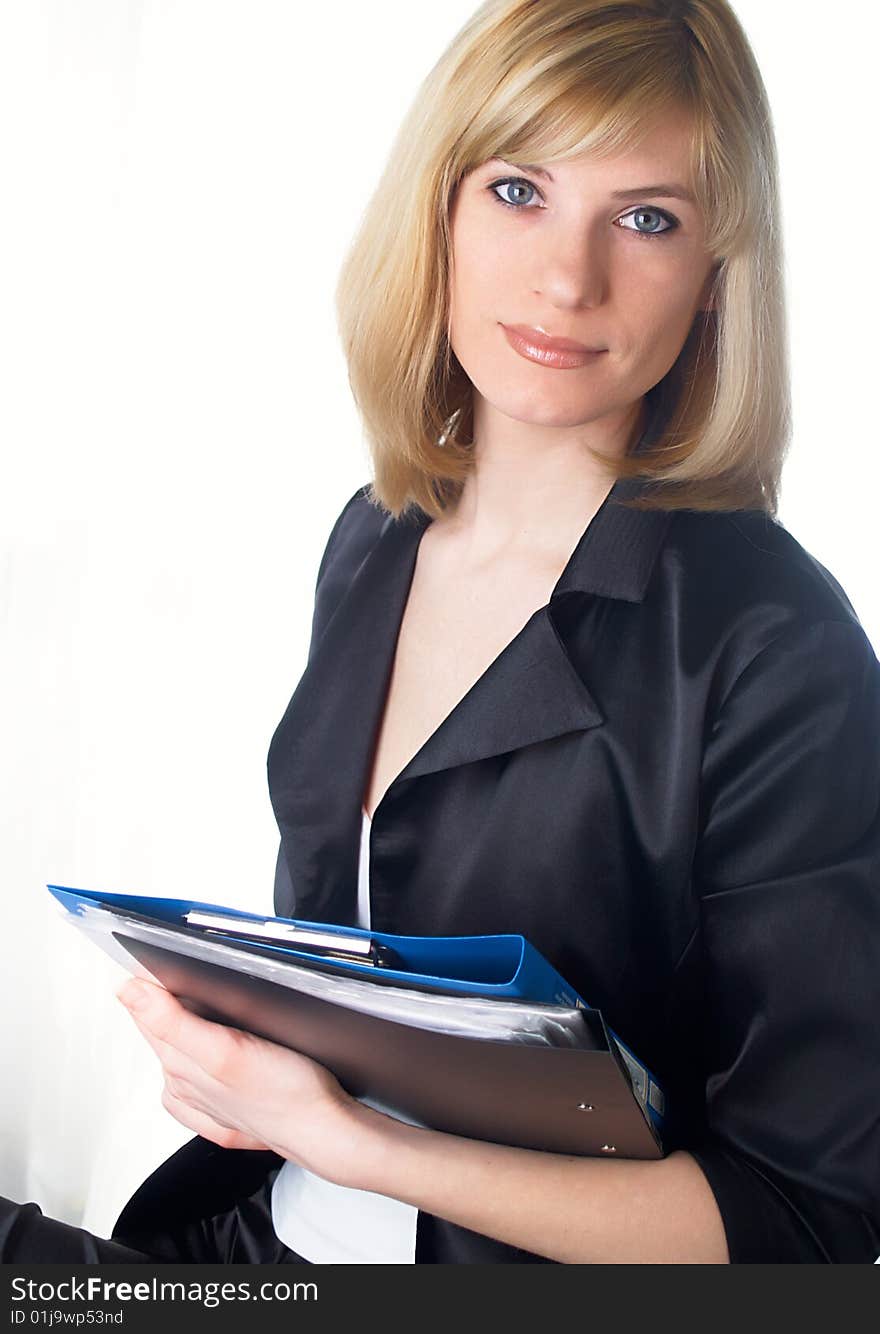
point(134, 995)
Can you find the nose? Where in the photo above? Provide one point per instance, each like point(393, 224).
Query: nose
point(572, 269)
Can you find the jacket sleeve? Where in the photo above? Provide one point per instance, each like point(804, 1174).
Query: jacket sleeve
point(788, 875)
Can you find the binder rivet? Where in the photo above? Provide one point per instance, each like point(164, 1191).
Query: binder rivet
point(609, 1148)
point(585, 1106)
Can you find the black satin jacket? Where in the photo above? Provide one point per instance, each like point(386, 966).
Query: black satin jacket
point(669, 780)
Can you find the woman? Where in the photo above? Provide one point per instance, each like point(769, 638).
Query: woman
point(567, 677)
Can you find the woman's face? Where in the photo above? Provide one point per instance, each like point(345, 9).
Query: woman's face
point(605, 254)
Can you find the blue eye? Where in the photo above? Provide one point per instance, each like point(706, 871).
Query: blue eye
point(656, 213)
point(662, 223)
point(511, 180)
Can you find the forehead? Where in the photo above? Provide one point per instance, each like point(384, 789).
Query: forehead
point(661, 151)
point(667, 144)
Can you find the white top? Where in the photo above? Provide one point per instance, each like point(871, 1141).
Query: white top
point(329, 1224)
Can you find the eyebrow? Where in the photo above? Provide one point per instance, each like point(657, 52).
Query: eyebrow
point(666, 189)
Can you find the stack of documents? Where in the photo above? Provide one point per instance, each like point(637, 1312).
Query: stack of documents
point(473, 1035)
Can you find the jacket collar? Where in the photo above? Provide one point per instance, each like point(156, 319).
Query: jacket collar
point(616, 552)
point(614, 555)
point(320, 753)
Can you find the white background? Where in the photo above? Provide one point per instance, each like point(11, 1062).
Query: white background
point(179, 183)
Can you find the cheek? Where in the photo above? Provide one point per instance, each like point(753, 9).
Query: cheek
point(658, 303)
point(479, 282)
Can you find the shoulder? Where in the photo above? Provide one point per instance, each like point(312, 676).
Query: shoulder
point(747, 582)
point(352, 537)
point(354, 532)
point(751, 558)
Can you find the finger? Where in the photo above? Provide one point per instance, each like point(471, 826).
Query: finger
point(215, 1048)
point(173, 1061)
point(206, 1126)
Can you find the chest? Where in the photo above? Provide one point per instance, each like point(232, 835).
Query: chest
point(455, 623)
point(529, 768)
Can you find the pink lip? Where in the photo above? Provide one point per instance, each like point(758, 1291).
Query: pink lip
point(561, 353)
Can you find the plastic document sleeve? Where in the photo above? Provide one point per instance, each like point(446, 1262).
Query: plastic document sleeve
point(473, 1035)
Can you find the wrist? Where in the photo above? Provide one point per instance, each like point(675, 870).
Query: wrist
point(377, 1144)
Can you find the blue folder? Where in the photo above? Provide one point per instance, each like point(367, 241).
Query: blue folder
point(502, 967)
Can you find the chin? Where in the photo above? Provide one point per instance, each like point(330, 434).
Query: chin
point(551, 414)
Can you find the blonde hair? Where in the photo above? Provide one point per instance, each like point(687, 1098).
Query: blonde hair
point(543, 80)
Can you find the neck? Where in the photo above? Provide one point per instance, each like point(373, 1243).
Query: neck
point(534, 488)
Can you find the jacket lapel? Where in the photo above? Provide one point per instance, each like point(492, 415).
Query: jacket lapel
point(319, 754)
point(532, 692)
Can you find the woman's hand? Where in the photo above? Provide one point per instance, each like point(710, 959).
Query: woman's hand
point(243, 1092)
